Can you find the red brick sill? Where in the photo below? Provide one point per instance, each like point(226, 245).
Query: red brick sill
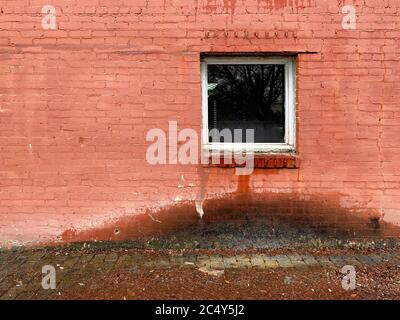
point(262, 161)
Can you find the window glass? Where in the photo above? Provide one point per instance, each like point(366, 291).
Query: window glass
point(247, 96)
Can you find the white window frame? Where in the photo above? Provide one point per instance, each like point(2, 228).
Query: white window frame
point(290, 106)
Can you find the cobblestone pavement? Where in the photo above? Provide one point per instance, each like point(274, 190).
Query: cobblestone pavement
point(21, 270)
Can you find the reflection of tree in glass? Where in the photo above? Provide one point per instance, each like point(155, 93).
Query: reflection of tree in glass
point(251, 92)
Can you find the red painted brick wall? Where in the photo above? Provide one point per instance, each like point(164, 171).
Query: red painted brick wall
point(76, 104)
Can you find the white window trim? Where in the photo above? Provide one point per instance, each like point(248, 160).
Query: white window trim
point(290, 106)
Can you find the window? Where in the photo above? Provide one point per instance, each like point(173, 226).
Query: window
point(249, 93)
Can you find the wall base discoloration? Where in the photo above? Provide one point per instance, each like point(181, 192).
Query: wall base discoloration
point(321, 212)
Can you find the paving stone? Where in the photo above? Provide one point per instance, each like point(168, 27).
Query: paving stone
point(375, 258)
point(338, 261)
point(70, 263)
point(297, 261)
point(364, 259)
point(26, 295)
point(190, 258)
point(295, 257)
point(230, 262)
point(216, 262)
point(243, 261)
point(325, 262)
point(257, 261)
point(11, 293)
point(149, 264)
point(98, 258)
point(112, 257)
point(86, 258)
point(203, 261)
point(162, 262)
point(310, 261)
point(6, 256)
point(178, 261)
point(387, 257)
point(36, 256)
point(298, 264)
point(396, 255)
point(270, 263)
point(283, 261)
point(351, 261)
point(123, 262)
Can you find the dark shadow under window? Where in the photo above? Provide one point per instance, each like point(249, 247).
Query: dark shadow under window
point(248, 96)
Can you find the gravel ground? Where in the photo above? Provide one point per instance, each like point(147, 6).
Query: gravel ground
point(252, 235)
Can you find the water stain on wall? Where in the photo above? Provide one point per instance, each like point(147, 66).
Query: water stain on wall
point(320, 212)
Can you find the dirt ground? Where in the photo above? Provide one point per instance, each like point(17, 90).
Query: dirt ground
point(378, 282)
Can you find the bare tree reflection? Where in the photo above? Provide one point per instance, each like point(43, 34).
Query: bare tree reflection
point(247, 93)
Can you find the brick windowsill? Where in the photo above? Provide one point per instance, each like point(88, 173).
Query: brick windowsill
point(263, 161)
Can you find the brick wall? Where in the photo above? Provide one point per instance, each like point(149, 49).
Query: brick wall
point(76, 104)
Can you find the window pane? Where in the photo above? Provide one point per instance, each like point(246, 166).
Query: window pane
point(248, 96)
